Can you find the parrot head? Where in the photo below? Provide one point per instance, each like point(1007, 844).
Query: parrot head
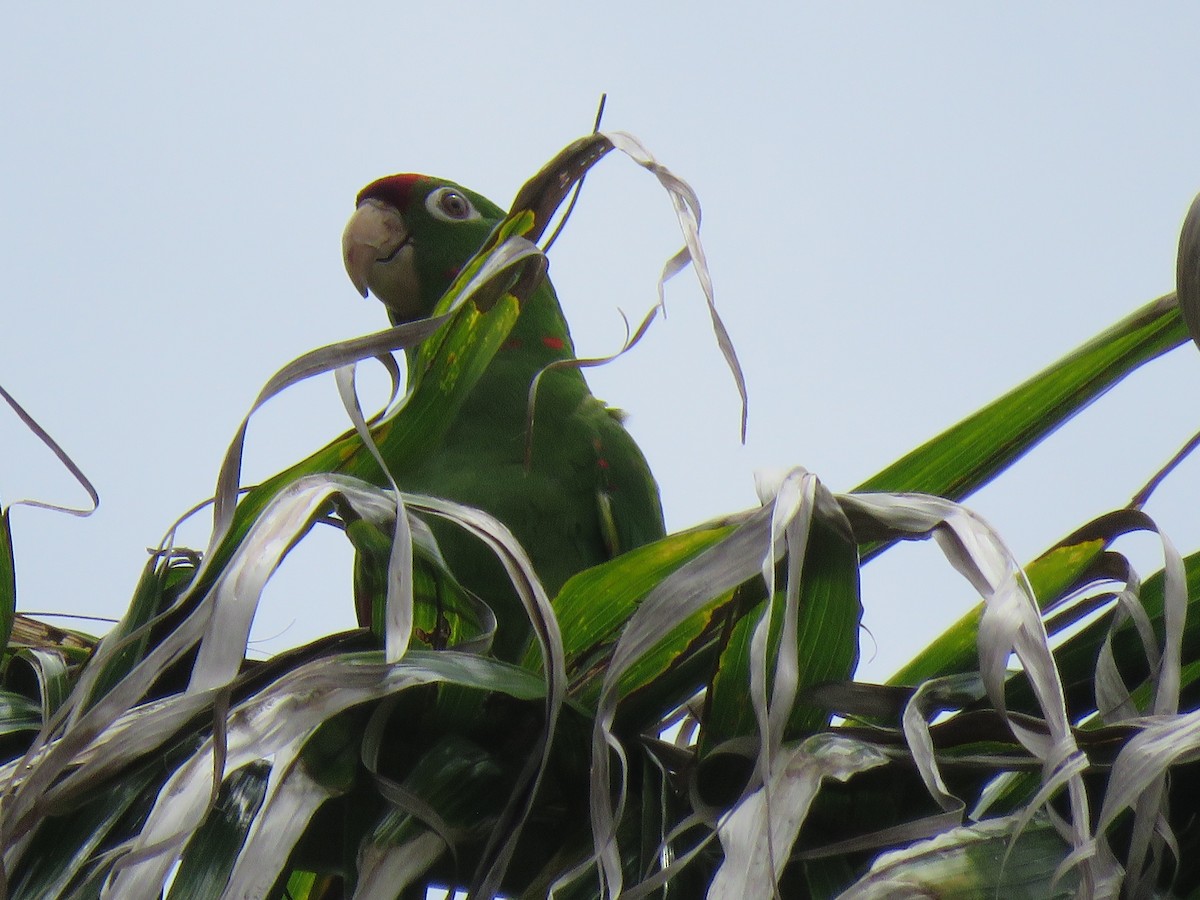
point(408, 238)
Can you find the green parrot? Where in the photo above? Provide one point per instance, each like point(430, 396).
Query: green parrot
point(585, 493)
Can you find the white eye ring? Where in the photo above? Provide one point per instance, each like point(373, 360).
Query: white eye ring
point(451, 205)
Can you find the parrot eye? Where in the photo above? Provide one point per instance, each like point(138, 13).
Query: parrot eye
point(450, 205)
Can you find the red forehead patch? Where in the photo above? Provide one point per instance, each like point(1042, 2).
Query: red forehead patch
point(394, 189)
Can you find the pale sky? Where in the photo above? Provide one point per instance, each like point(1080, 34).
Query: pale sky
point(907, 210)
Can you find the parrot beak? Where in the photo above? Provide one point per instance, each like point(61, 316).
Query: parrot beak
point(375, 234)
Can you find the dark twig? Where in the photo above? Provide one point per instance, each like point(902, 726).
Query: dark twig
point(1140, 498)
point(578, 185)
